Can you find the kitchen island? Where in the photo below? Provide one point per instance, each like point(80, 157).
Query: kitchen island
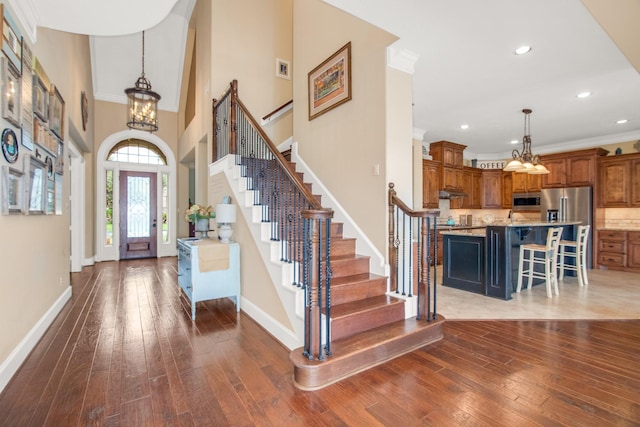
point(486, 261)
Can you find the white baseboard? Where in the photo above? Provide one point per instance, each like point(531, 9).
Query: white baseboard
point(287, 337)
point(89, 261)
point(11, 365)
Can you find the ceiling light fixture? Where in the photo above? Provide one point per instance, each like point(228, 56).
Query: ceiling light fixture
point(584, 94)
point(622, 121)
point(525, 161)
point(523, 49)
point(143, 103)
point(465, 126)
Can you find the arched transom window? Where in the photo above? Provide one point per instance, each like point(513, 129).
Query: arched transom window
point(137, 151)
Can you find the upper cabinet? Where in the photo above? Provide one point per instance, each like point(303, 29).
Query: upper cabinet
point(572, 169)
point(492, 189)
point(430, 184)
point(450, 156)
point(620, 181)
point(525, 182)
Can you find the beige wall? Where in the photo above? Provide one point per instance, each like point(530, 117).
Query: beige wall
point(256, 286)
point(246, 49)
point(35, 248)
point(343, 145)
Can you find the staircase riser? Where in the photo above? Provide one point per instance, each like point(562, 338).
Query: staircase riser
point(349, 267)
point(364, 321)
point(358, 291)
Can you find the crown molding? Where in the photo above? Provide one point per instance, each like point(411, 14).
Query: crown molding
point(402, 59)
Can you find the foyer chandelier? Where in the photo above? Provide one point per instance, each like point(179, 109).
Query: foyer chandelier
point(525, 161)
point(143, 103)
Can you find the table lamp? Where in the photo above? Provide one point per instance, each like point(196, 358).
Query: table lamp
point(225, 216)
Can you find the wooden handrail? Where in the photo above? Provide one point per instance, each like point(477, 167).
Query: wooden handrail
point(281, 160)
point(280, 108)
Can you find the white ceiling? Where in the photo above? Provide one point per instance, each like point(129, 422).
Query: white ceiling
point(465, 72)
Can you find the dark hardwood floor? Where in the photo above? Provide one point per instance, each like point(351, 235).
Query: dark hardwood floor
point(124, 352)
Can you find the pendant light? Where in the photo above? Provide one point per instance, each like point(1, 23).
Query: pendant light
point(143, 103)
point(525, 161)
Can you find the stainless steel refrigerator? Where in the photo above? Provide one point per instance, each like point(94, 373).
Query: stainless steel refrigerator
point(571, 204)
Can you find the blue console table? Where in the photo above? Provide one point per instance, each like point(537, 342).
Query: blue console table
point(202, 274)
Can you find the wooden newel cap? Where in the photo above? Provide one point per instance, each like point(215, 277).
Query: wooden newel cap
point(317, 214)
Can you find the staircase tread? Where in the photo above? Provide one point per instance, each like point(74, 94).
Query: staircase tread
point(347, 257)
point(354, 354)
point(356, 278)
point(362, 305)
point(375, 336)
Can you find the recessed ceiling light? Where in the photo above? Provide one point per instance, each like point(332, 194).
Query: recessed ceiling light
point(465, 126)
point(584, 94)
point(515, 141)
point(622, 121)
point(523, 49)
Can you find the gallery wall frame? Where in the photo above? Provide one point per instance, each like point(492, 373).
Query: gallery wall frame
point(35, 185)
point(56, 113)
point(11, 38)
point(11, 89)
point(40, 99)
point(26, 97)
point(12, 191)
point(329, 84)
point(10, 147)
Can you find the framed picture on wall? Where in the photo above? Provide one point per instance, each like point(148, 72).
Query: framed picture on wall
point(12, 191)
point(56, 113)
point(36, 178)
point(330, 82)
point(11, 39)
point(40, 99)
point(10, 92)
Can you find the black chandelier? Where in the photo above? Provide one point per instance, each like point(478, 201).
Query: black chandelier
point(143, 103)
point(525, 161)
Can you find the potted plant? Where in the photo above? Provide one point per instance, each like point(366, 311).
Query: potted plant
point(200, 216)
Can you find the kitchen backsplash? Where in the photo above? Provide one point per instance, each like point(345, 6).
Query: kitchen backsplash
point(622, 218)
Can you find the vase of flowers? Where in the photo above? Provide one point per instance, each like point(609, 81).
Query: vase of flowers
point(200, 216)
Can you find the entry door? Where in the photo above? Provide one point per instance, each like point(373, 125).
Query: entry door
point(138, 222)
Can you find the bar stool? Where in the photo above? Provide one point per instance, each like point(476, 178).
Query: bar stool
point(546, 255)
point(579, 253)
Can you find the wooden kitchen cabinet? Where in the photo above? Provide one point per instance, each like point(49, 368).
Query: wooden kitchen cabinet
point(526, 182)
point(472, 186)
point(452, 179)
point(557, 177)
point(492, 189)
point(507, 190)
point(450, 156)
point(430, 184)
point(448, 153)
point(581, 170)
point(619, 181)
point(572, 169)
point(633, 250)
point(619, 250)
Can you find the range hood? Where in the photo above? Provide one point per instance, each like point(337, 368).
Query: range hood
point(452, 194)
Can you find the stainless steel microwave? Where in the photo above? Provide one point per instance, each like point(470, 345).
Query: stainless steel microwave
point(526, 202)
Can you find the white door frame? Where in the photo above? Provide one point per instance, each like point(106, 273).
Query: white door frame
point(77, 213)
point(111, 252)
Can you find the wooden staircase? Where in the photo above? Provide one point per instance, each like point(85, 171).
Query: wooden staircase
point(368, 326)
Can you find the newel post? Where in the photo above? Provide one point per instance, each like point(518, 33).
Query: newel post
point(317, 282)
point(393, 244)
point(233, 132)
point(214, 131)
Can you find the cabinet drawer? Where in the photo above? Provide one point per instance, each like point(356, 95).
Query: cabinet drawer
point(612, 235)
point(633, 237)
point(612, 259)
point(612, 246)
